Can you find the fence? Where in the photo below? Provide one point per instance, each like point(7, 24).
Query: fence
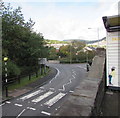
point(18, 79)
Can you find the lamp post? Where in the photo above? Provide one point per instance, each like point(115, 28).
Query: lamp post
point(6, 88)
point(70, 53)
point(97, 35)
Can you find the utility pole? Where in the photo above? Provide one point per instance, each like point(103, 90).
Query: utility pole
point(70, 53)
point(6, 87)
point(97, 35)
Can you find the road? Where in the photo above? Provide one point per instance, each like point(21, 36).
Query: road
point(48, 98)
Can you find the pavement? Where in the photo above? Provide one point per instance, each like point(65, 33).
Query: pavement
point(17, 92)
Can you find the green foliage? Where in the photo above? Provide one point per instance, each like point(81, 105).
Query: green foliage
point(13, 69)
point(20, 43)
point(52, 53)
point(55, 42)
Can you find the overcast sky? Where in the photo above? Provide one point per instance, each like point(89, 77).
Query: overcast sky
point(68, 19)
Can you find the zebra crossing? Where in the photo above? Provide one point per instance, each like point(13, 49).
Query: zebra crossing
point(41, 95)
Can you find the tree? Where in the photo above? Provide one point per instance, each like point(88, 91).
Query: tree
point(52, 53)
point(20, 43)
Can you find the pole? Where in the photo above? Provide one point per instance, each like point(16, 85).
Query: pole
point(98, 36)
point(6, 87)
point(70, 55)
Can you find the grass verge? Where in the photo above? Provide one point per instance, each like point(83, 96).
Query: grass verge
point(25, 81)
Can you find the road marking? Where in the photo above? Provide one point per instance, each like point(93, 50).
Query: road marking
point(31, 94)
point(58, 72)
point(31, 108)
point(69, 82)
point(73, 76)
point(2, 104)
point(82, 67)
point(74, 73)
point(46, 113)
point(20, 105)
point(38, 99)
point(8, 102)
point(54, 99)
point(41, 87)
point(63, 88)
point(52, 89)
point(21, 113)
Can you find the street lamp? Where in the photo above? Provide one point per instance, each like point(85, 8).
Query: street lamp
point(70, 52)
point(97, 35)
point(5, 61)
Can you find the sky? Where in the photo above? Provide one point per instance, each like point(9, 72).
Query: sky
point(68, 19)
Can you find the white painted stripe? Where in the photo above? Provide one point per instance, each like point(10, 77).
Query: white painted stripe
point(5, 69)
point(52, 89)
point(21, 113)
point(8, 102)
point(20, 105)
point(31, 95)
point(31, 108)
point(2, 104)
point(73, 76)
point(74, 73)
point(38, 99)
point(82, 67)
point(42, 87)
point(54, 99)
point(6, 75)
point(46, 113)
point(58, 72)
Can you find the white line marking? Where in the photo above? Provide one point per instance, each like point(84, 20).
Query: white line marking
point(21, 113)
point(82, 67)
point(74, 73)
point(20, 105)
point(58, 72)
point(31, 95)
point(46, 113)
point(52, 89)
point(69, 82)
point(63, 88)
point(42, 87)
point(54, 99)
point(73, 76)
point(31, 108)
point(2, 104)
point(8, 102)
point(38, 99)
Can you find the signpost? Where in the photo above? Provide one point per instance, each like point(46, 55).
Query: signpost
point(42, 62)
point(112, 25)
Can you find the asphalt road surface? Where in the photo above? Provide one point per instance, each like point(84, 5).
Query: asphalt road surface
point(48, 98)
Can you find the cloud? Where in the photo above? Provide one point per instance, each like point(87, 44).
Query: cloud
point(59, 21)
